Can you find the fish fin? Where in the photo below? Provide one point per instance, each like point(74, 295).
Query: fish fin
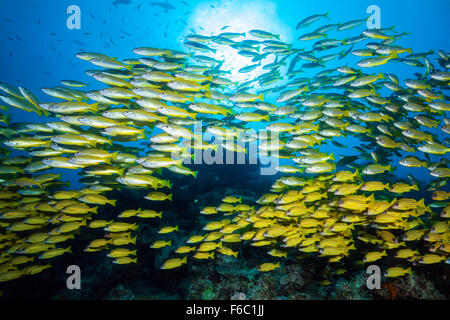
point(169, 197)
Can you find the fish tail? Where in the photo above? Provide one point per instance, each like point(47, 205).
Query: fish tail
point(169, 197)
point(121, 171)
point(94, 107)
point(421, 203)
point(393, 201)
point(113, 202)
point(261, 97)
point(114, 155)
point(371, 198)
point(393, 55)
point(184, 260)
point(208, 95)
point(163, 119)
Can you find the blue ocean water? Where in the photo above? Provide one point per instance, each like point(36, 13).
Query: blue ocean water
point(38, 48)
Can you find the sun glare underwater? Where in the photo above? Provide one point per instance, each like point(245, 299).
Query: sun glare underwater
point(224, 149)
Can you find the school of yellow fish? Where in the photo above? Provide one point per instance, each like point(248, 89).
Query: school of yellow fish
point(317, 206)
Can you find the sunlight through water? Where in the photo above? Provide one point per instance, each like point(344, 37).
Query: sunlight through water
point(258, 14)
